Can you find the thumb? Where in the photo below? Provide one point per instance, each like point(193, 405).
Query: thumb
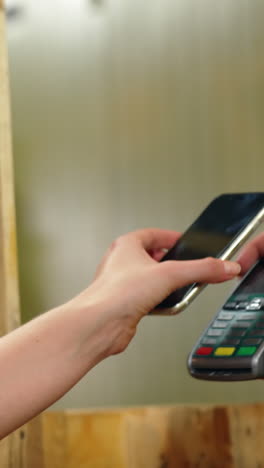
point(176, 274)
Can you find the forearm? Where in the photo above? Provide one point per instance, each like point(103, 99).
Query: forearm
point(43, 359)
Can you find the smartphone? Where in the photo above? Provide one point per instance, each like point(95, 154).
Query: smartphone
point(232, 347)
point(219, 231)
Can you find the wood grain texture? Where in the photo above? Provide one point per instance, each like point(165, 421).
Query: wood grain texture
point(149, 437)
point(9, 303)
point(21, 449)
point(156, 437)
point(9, 300)
point(247, 430)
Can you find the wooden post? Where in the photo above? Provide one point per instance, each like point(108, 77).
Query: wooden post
point(9, 303)
point(21, 449)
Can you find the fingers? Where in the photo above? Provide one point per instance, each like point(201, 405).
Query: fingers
point(157, 254)
point(208, 270)
point(156, 239)
point(251, 253)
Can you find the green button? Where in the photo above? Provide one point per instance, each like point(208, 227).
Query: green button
point(246, 350)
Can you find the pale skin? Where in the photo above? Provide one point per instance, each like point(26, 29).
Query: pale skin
point(43, 359)
point(251, 253)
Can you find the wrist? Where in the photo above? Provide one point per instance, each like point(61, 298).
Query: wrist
point(93, 325)
point(103, 328)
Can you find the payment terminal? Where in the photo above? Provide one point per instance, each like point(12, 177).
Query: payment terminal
point(232, 347)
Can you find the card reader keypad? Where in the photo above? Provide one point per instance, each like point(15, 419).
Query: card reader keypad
point(238, 330)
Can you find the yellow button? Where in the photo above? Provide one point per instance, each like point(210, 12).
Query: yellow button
point(224, 351)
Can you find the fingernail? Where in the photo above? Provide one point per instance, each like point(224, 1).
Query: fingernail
point(232, 268)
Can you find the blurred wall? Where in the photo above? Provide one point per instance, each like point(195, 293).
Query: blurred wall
point(125, 115)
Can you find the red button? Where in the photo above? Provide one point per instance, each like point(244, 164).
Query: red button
point(204, 350)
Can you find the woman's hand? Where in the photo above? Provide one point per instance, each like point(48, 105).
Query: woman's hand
point(131, 281)
point(43, 359)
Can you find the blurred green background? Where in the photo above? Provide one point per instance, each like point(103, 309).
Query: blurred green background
point(128, 114)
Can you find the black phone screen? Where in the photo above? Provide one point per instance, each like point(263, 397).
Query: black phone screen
point(252, 285)
point(212, 232)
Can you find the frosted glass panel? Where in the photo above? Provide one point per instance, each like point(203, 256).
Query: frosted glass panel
point(126, 115)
